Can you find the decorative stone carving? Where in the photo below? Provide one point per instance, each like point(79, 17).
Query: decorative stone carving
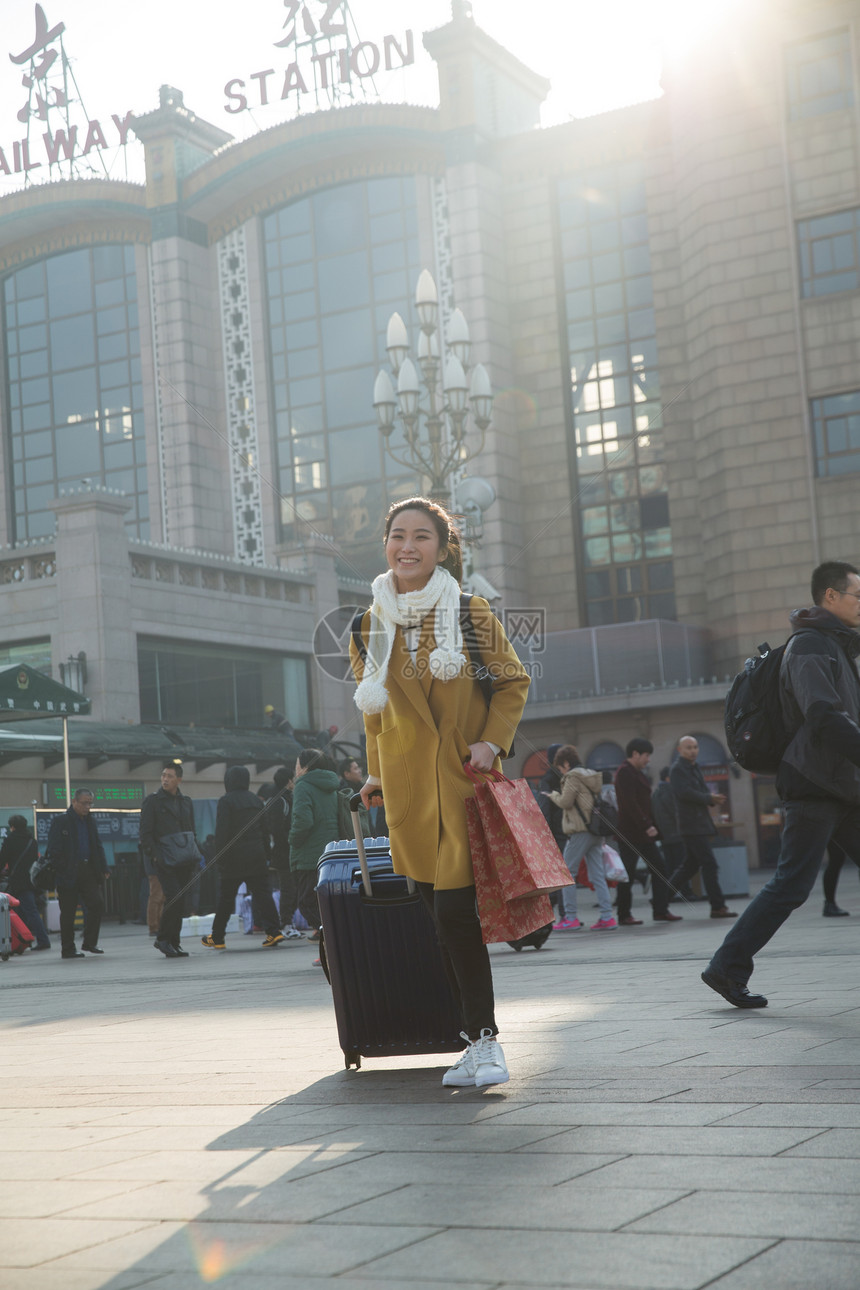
point(241, 404)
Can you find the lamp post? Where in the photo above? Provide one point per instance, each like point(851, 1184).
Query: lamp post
point(434, 427)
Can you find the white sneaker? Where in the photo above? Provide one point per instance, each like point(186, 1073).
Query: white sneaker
point(291, 934)
point(462, 1073)
point(490, 1065)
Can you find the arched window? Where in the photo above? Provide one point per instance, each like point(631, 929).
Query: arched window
point(605, 756)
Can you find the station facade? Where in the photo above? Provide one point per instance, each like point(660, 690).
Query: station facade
point(667, 301)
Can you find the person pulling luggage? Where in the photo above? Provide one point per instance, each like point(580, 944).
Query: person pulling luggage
point(425, 714)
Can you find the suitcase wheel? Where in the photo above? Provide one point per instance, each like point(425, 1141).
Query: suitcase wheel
point(352, 1058)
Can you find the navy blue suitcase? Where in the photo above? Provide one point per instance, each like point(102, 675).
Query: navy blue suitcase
point(391, 994)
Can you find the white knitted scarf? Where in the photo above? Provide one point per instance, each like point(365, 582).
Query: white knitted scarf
point(391, 610)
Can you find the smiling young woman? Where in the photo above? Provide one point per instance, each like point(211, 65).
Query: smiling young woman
point(425, 715)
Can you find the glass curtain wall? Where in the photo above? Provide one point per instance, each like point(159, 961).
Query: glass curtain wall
point(337, 265)
point(74, 394)
point(186, 683)
point(619, 475)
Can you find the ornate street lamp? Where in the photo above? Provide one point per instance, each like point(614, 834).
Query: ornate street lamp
point(434, 426)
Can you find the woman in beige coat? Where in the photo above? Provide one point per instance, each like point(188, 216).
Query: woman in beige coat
point(577, 795)
point(425, 715)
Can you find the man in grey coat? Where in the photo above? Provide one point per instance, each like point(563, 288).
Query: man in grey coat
point(819, 776)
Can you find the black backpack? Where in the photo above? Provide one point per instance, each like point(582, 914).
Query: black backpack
point(756, 732)
point(482, 674)
point(603, 821)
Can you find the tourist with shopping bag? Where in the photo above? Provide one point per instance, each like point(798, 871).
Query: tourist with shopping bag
point(426, 714)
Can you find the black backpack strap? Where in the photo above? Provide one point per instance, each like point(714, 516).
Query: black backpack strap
point(357, 638)
point(483, 675)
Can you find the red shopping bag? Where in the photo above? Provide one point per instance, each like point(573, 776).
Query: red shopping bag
point(501, 919)
point(521, 849)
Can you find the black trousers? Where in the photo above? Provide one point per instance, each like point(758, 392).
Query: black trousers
point(700, 856)
point(466, 958)
point(172, 878)
point(306, 898)
point(288, 900)
point(260, 891)
point(86, 892)
point(835, 861)
point(652, 856)
point(809, 825)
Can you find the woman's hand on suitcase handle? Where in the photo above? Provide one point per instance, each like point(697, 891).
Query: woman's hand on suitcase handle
point(370, 789)
point(481, 756)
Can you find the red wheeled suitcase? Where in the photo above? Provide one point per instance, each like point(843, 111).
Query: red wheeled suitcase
point(382, 958)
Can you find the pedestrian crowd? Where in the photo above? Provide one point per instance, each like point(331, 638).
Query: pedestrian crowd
point(264, 850)
point(615, 829)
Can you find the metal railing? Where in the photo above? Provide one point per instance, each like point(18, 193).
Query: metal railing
point(591, 662)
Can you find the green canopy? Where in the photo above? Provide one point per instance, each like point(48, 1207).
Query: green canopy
point(26, 695)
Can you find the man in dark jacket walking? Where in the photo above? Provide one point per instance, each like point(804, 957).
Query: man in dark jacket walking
point(241, 850)
point(697, 828)
point(79, 861)
point(162, 815)
point(637, 834)
point(819, 776)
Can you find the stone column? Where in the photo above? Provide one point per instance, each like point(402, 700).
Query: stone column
point(94, 599)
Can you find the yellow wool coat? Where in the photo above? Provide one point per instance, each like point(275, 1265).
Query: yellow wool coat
point(418, 744)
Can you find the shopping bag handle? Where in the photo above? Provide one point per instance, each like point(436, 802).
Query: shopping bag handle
point(480, 776)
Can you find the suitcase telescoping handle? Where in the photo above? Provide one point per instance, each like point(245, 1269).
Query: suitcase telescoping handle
point(354, 804)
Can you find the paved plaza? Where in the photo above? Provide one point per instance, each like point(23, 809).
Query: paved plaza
point(175, 1124)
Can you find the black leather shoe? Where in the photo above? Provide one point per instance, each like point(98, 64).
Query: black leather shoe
point(668, 917)
point(183, 954)
point(72, 954)
point(832, 910)
point(167, 949)
point(732, 991)
point(92, 949)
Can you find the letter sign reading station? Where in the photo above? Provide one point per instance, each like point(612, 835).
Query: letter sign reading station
point(318, 64)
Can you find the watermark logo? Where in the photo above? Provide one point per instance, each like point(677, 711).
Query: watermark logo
point(331, 641)
point(526, 627)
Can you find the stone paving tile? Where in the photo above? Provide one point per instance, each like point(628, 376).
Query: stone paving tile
point(749, 1213)
point(843, 1143)
point(41, 1198)
point(311, 1250)
point(797, 1265)
point(239, 1198)
point(207, 1166)
point(647, 1114)
point(802, 1116)
point(48, 1165)
point(718, 1173)
point(397, 1168)
point(672, 1140)
point(625, 1263)
point(29, 1242)
point(50, 1278)
point(489, 1205)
